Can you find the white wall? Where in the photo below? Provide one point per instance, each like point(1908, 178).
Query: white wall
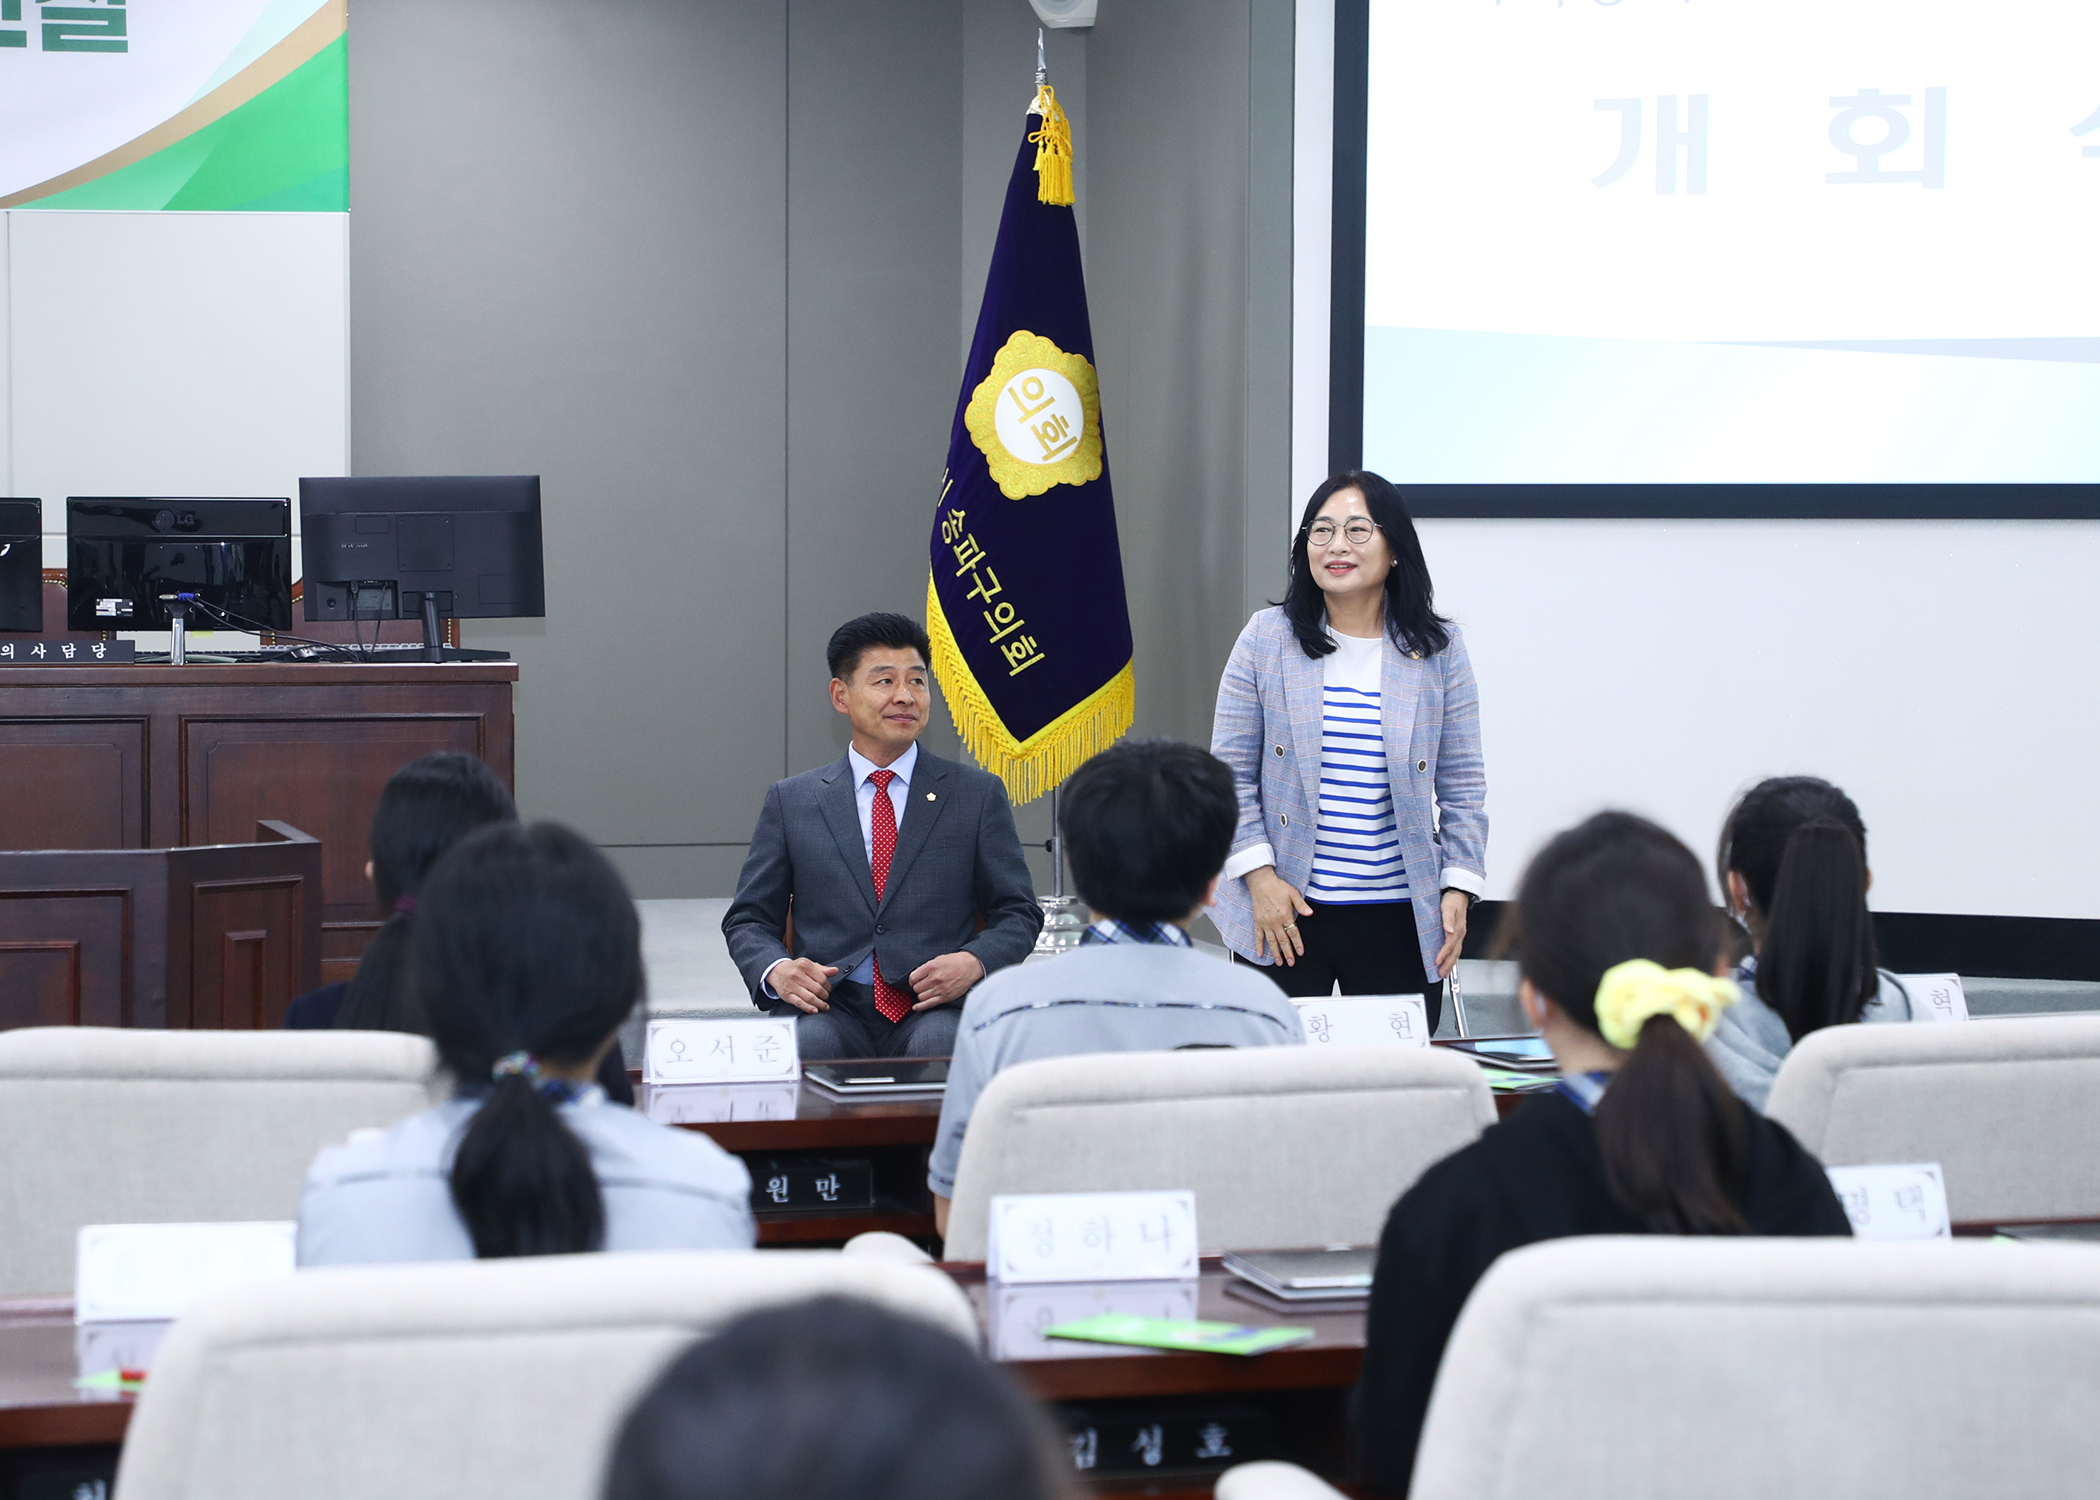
point(1938, 671)
point(172, 354)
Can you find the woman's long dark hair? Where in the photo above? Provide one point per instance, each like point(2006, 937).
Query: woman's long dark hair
point(835, 1398)
point(1410, 615)
point(526, 941)
point(1801, 849)
point(1616, 888)
point(428, 805)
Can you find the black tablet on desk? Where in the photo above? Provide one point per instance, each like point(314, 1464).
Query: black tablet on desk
point(879, 1079)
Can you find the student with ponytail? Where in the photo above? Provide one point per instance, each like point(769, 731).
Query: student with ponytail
point(427, 806)
point(1793, 864)
point(526, 954)
point(1617, 947)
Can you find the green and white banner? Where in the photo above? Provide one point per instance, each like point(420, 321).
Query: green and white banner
point(174, 104)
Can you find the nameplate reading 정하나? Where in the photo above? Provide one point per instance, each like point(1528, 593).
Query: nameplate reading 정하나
point(127, 1272)
point(1092, 1237)
point(1365, 1021)
point(1894, 1202)
point(736, 1051)
point(1935, 997)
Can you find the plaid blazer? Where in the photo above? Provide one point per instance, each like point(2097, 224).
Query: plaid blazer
point(1267, 729)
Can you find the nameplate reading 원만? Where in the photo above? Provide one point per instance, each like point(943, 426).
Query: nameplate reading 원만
point(1092, 1237)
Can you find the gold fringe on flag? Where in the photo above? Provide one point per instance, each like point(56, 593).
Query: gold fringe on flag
point(1033, 766)
point(1053, 149)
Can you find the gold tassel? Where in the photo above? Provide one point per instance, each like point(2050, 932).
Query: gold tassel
point(1053, 149)
point(1053, 752)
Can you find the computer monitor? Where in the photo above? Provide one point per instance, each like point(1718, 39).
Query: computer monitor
point(21, 565)
point(133, 563)
point(456, 545)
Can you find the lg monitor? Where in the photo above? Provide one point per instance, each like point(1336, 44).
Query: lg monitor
point(451, 546)
point(142, 564)
point(21, 565)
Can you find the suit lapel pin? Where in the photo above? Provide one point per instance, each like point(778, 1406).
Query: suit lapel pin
point(929, 796)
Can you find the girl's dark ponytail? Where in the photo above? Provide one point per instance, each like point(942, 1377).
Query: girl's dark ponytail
point(1801, 851)
point(1672, 1135)
point(527, 953)
point(1614, 889)
point(521, 1180)
point(378, 998)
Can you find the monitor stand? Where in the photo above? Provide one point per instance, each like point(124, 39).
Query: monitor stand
point(433, 630)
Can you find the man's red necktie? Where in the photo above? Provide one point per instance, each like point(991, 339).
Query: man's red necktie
point(893, 1000)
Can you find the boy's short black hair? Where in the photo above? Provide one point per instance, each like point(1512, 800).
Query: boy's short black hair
point(856, 637)
point(1146, 825)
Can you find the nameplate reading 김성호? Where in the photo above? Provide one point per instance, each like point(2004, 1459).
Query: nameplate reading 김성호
point(66, 653)
point(1365, 1021)
point(1149, 1236)
point(1907, 1202)
point(733, 1051)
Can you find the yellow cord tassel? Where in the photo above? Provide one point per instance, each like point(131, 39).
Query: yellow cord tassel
point(1053, 149)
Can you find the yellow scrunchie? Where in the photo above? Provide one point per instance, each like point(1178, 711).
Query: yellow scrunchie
point(1639, 988)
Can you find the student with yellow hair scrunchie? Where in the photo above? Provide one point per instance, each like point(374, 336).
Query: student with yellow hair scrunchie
point(1617, 943)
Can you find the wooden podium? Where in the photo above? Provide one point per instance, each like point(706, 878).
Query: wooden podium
point(161, 757)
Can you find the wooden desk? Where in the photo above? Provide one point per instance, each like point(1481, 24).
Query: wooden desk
point(141, 757)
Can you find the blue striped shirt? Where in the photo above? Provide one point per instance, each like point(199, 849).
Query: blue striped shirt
point(1356, 849)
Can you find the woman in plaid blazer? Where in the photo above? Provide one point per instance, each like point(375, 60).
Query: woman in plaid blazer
point(1351, 721)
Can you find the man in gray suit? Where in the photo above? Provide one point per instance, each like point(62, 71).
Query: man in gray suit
point(889, 855)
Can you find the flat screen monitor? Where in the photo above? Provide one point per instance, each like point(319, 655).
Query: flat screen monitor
point(455, 545)
point(229, 562)
point(21, 565)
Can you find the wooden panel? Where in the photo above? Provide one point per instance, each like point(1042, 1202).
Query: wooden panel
point(342, 945)
point(64, 954)
point(247, 935)
point(72, 783)
point(39, 984)
point(322, 775)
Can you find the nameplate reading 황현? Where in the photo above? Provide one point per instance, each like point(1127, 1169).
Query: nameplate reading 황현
point(126, 1272)
point(1365, 1021)
point(757, 1050)
point(1906, 1202)
point(1935, 997)
point(1092, 1237)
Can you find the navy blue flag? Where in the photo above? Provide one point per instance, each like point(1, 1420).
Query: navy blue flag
point(1025, 605)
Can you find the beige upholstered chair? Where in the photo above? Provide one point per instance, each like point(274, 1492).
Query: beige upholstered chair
point(108, 1126)
point(1283, 1146)
point(2010, 1109)
point(454, 1381)
point(1653, 1368)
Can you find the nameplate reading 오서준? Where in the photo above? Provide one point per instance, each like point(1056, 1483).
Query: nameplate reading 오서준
point(140, 1272)
point(755, 1050)
point(1906, 1202)
point(1149, 1236)
point(1365, 1021)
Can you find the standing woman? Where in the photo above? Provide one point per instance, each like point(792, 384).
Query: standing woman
point(1351, 722)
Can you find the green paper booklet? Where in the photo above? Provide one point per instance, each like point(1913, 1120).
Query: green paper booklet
point(1175, 1333)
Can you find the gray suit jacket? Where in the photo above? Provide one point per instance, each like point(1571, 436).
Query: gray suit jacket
point(957, 855)
point(1268, 730)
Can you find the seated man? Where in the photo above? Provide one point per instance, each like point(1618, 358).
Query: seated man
point(889, 854)
point(1147, 825)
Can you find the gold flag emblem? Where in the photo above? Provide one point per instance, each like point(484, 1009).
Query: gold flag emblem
point(1037, 417)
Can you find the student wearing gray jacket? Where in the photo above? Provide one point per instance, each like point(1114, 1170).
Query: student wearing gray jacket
point(1793, 864)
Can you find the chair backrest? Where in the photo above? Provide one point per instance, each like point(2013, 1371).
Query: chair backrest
point(1284, 1147)
point(2010, 1109)
point(1743, 1369)
point(469, 1378)
point(112, 1126)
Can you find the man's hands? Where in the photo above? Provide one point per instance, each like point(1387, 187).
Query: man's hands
point(1277, 908)
point(804, 984)
point(941, 980)
point(1456, 904)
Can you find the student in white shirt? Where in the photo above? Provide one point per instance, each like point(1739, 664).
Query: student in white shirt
point(1793, 865)
point(1147, 825)
point(527, 958)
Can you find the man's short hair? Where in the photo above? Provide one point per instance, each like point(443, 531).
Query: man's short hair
point(1146, 825)
point(855, 638)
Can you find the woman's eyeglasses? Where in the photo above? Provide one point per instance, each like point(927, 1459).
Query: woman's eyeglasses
point(1359, 531)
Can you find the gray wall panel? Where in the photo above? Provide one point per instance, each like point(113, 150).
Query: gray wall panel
point(567, 246)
